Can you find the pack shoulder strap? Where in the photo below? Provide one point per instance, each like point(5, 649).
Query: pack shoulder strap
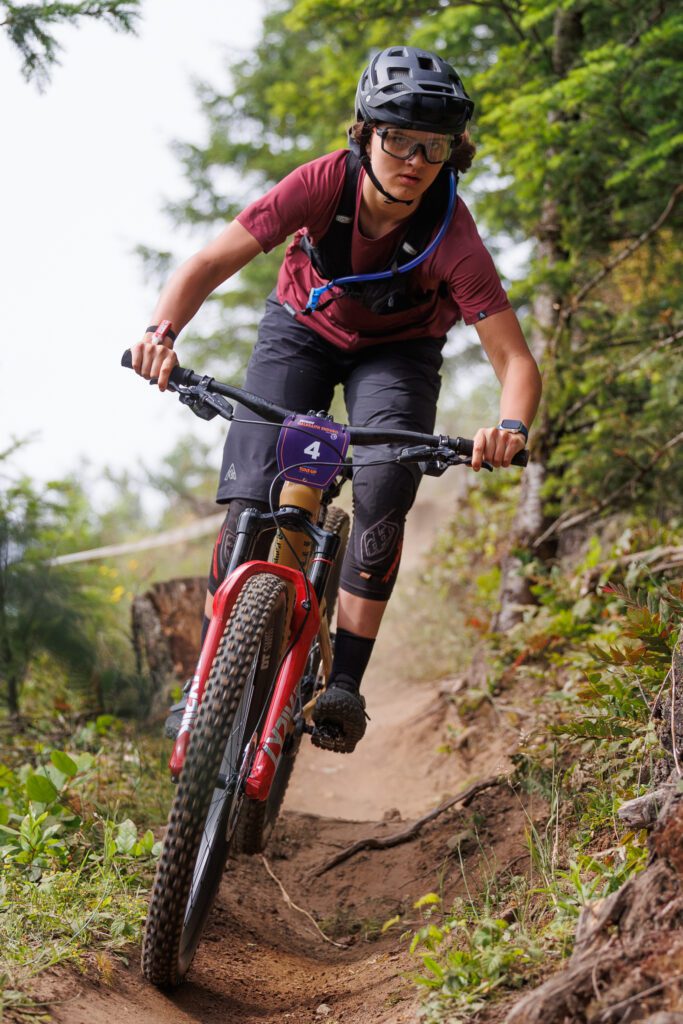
point(331, 257)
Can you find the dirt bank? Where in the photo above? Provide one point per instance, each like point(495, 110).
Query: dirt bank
point(261, 960)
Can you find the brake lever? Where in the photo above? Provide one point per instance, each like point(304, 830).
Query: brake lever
point(440, 459)
point(201, 402)
point(437, 467)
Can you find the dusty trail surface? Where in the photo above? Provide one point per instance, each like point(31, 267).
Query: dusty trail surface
point(262, 961)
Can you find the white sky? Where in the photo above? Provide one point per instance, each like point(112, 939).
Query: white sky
point(85, 170)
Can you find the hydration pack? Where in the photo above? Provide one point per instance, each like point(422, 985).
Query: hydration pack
point(331, 257)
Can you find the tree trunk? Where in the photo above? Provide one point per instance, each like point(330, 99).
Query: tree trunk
point(13, 695)
point(166, 623)
point(530, 521)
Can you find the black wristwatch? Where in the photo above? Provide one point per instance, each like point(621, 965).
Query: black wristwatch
point(515, 427)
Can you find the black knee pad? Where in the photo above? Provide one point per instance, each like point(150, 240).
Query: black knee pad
point(382, 497)
point(220, 559)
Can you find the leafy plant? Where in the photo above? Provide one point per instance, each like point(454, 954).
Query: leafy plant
point(73, 878)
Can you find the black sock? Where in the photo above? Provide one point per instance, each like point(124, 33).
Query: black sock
point(351, 656)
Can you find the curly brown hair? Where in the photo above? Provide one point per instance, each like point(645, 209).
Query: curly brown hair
point(461, 156)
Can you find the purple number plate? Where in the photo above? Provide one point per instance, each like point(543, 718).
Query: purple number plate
point(310, 450)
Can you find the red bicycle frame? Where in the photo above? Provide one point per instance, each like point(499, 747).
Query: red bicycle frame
point(305, 623)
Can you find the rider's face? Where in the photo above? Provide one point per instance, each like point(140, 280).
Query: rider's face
point(405, 179)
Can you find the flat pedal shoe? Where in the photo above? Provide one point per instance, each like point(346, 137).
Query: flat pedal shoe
point(175, 714)
point(339, 718)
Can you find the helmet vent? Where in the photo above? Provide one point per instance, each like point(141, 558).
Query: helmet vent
point(427, 64)
point(398, 73)
point(433, 89)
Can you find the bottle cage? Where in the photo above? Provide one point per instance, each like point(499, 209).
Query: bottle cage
point(316, 294)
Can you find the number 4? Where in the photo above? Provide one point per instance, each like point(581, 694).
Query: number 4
point(313, 450)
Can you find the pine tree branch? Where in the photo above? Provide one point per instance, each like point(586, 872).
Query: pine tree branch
point(568, 520)
point(656, 559)
point(615, 372)
point(29, 28)
point(575, 301)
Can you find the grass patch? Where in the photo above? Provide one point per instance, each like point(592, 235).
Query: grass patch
point(76, 867)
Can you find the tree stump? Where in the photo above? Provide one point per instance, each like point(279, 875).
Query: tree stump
point(166, 623)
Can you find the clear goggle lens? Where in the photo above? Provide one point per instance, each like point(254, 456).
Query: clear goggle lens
point(436, 148)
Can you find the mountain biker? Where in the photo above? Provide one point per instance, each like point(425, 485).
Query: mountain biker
point(381, 339)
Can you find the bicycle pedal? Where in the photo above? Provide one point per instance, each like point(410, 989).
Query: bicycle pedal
point(328, 737)
point(301, 726)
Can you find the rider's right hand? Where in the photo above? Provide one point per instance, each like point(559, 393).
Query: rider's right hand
point(152, 360)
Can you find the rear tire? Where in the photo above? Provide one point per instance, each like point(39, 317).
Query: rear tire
point(204, 814)
point(258, 817)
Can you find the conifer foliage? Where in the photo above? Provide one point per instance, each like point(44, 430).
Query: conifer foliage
point(578, 123)
point(31, 28)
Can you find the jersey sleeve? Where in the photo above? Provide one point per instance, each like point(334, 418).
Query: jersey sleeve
point(472, 278)
point(305, 198)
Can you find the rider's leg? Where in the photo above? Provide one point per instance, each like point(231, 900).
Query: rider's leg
point(359, 615)
point(222, 551)
point(392, 385)
point(367, 579)
point(382, 498)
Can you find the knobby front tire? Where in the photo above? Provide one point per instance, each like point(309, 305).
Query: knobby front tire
point(258, 817)
point(204, 814)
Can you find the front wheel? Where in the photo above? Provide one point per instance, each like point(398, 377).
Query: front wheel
point(258, 817)
point(204, 814)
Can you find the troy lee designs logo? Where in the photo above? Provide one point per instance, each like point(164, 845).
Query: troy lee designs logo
point(274, 743)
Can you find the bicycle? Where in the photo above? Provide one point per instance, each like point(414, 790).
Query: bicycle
point(265, 660)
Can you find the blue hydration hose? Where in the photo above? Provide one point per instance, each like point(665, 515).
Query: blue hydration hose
point(317, 293)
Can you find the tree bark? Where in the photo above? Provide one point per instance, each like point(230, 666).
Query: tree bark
point(166, 622)
point(530, 521)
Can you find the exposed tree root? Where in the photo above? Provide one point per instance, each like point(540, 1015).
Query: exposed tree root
point(628, 959)
point(406, 834)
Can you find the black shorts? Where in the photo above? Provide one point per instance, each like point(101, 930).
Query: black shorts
point(392, 384)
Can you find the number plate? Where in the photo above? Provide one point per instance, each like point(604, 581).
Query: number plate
point(311, 450)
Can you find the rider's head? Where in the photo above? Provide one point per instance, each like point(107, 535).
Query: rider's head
point(410, 93)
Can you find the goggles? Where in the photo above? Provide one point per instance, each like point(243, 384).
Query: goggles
point(435, 148)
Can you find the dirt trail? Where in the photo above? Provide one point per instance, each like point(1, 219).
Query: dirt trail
point(261, 961)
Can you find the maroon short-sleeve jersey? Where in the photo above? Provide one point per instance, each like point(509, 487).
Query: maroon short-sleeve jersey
point(306, 201)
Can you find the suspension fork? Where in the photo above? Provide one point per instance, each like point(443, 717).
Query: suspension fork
point(297, 522)
point(305, 619)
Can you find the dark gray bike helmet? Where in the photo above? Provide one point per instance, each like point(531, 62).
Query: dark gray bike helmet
point(415, 89)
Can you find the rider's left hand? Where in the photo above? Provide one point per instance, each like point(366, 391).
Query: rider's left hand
point(495, 446)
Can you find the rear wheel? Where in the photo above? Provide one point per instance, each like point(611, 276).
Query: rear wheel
point(203, 818)
point(258, 817)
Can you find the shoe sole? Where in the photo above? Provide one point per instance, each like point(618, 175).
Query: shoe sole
point(339, 722)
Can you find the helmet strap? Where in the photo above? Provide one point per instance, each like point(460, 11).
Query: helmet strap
point(367, 166)
point(388, 198)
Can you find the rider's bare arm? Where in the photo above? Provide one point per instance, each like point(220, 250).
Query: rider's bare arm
point(186, 290)
point(516, 369)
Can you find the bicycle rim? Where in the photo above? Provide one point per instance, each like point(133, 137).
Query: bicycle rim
point(205, 810)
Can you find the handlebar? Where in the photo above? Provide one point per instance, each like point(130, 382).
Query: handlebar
point(183, 379)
